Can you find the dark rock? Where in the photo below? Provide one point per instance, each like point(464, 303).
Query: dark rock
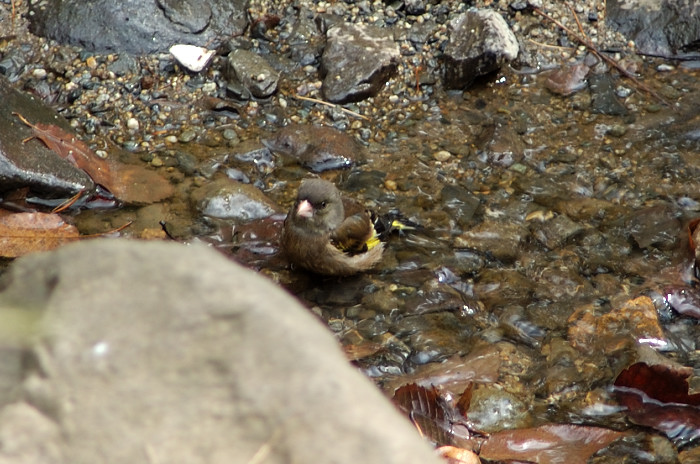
point(500, 145)
point(137, 26)
point(316, 148)
point(480, 42)
point(499, 239)
point(253, 72)
point(183, 336)
point(228, 199)
point(662, 28)
point(556, 232)
point(562, 283)
point(414, 7)
point(655, 226)
point(497, 287)
point(12, 64)
point(357, 62)
point(32, 164)
point(460, 203)
point(193, 16)
point(305, 41)
point(124, 65)
point(604, 99)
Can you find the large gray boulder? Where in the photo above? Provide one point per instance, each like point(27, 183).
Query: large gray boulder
point(158, 352)
point(665, 28)
point(137, 26)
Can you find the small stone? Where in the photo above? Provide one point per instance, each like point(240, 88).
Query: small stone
point(442, 155)
point(171, 139)
point(230, 134)
point(617, 130)
point(91, 62)
point(39, 73)
point(132, 124)
point(192, 57)
point(187, 136)
point(156, 162)
point(209, 87)
point(390, 185)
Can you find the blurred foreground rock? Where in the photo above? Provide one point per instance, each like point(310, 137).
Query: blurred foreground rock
point(156, 352)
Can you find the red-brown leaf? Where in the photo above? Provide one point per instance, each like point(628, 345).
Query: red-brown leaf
point(657, 396)
point(427, 411)
point(72, 149)
point(548, 444)
point(128, 183)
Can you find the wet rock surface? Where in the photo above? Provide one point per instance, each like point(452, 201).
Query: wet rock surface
point(252, 72)
point(29, 163)
point(357, 61)
point(663, 28)
point(136, 26)
point(316, 148)
point(550, 204)
point(480, 42)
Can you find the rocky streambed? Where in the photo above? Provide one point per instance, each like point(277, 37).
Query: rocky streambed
point(555, 193)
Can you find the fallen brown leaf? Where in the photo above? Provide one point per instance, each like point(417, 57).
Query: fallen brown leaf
point(22, 233)
point(548, 444)
point(70, 148)
point(128, 183)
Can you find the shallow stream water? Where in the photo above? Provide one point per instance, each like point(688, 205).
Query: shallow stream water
point(543, 216)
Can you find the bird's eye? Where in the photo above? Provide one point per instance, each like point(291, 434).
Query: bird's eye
point(323, 204)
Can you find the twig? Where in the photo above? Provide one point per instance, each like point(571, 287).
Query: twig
point(113, 231)
point(332, 105)
point(589, 45)
point(558, 47)
point(68, 203)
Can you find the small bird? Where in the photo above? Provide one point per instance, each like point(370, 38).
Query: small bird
point(330, 235)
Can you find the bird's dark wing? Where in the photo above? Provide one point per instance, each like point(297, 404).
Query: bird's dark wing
point(354, 234)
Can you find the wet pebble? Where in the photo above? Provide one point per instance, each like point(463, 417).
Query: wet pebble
point(499, 287)
point(233, 200)
point(633, 321)
point(655, 226)
point(496, 238)
point(253, 72)
point(493, 409)
point(557, 231)
point(187, 136)
point(314, 147)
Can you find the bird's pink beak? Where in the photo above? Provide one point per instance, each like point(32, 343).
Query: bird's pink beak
point(305, 209)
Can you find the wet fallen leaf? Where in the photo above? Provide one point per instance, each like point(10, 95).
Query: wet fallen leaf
point(68, 147)
point(657, 396)
point(128, 183)
point(427, 410)
point(455, 374)
point(139, 185)
point(548, 444)
point(22, 233)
